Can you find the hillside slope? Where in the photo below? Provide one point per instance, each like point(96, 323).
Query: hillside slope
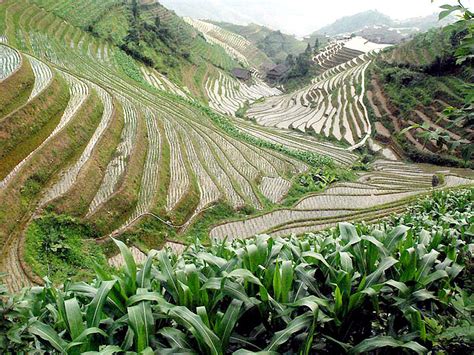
point(412, 85)
point(150, 33)
point(275, 44)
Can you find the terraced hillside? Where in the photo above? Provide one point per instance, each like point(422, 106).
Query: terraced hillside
point(140, 150)
point(275, 44)
point(384, 191)
point(109, 145)
point(333, 105)
point(227, 94)
point(149, 32)
point(235, 45)
point(412, 85)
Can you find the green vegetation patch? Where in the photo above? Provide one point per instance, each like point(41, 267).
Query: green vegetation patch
point(16, 89)
point(56, 248)
point(315, 180)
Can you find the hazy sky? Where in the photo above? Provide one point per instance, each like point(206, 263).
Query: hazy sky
point(300, 17)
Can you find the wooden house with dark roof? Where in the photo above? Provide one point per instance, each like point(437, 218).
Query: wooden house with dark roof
point(278, 72)
point(241, 74)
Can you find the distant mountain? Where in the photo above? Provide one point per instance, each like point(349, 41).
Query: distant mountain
point(379, 27)
point(356, 23)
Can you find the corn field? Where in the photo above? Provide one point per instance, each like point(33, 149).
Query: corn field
point(404, 285)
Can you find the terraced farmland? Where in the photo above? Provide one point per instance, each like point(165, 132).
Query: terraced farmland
point(203, 158)
point(10, 61)
point(235, 45)
point(227, 94)
point(371, 197)
point(333, 105)
point(417, 97)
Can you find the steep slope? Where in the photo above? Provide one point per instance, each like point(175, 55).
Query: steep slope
point(138, 151)
point(147, 31)
point(235, 45)
point(333, 105)
point(413, 84)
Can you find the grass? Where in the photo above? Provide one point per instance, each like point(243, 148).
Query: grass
point(16, 89)
point(120, 206)
point(27, 128)
point(56, 248)
point(21, 196)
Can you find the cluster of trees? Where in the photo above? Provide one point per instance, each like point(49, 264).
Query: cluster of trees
point(146, 39)
point(300, 65)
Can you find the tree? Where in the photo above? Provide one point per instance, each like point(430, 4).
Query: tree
point(290, 61)
point(308, 50)
point(316, 44)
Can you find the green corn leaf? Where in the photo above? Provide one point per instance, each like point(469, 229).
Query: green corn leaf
point(194, 324)
point(176, 337)
point(139, 316)
point(438, 274)
point(286, 280)
point(94, 309)
point(374, 241)
point(312, 255)
point(89, 291)
point(417, 324)
point(337, 299)
point(146, 296)
point(386, 341)
point(395, 236)
point(61, 309)
point(277, 281)
point(423, 295)
point(426, 263)
point(253, 257)
point(230, 319)
point(130, 265)
point(463, 332)
point(48, 334)
point(144, 275)
point(74, 319)
point(170, 277)
point(202, 313)
point(212, 260)
point(312, 302)
point(246, 275)
point(398, 285)
point(348, 232)
point(384, 265)
point(193, 281)
point(296, 325)
point(108, 350)
point(89, 331)
point(346, 261)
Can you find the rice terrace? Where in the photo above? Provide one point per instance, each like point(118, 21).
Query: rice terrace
point(184, 177)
